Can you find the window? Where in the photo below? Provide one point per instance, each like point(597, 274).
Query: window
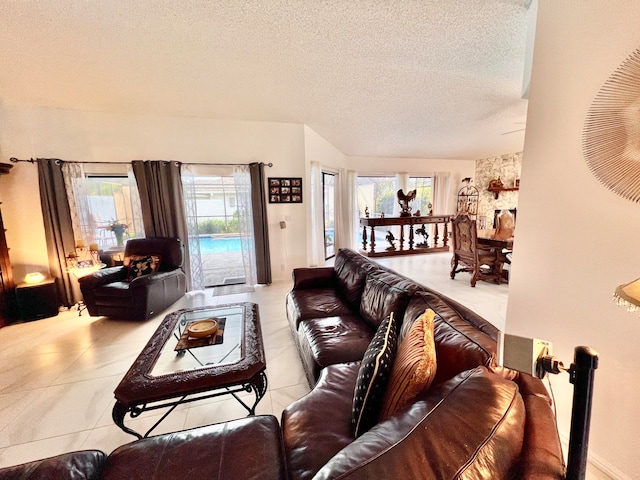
point(329, 213)
point(113, 209)
point(376, 195)
point(424, 194)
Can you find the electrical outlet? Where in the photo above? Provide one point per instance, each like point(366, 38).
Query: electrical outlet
point(524, 354)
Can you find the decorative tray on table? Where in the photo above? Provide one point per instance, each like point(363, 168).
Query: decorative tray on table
point(202, 333)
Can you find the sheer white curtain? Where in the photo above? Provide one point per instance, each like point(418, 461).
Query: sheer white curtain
point(441, 192)
point(347, 216)
point(136, 208)
point(191, 212)
point(317, 221)
point(242, 178)
point(402, 182)
point(77, 195)
point(87, 222)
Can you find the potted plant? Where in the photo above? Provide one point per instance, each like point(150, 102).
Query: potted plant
point(118, 228)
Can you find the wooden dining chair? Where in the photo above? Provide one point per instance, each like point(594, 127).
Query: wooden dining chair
point(468, 256)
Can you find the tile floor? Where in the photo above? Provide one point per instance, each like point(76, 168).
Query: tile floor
point(57, 375)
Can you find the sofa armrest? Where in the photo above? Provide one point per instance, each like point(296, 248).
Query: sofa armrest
point(318, 425)
point(104, 276)
point(542, 457)
point(312, 277)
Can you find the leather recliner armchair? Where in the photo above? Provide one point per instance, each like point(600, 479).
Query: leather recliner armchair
point(113, 292)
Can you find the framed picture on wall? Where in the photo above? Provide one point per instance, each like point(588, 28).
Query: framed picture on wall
point(285, 189)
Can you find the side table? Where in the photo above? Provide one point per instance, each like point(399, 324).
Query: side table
point(37, 300)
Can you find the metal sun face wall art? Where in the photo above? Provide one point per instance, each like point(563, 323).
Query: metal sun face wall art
point(611, 133)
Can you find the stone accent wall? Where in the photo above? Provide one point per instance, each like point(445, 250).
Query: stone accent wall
point(508, 168)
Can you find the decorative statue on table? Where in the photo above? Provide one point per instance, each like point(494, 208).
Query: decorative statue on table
point(422, 231)
point(390, 238)
point(403, 201)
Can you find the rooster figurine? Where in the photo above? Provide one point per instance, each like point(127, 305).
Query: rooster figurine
point(403, 201)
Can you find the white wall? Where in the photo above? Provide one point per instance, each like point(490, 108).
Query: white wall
point(106, 137)
point(91, 136)
point(576, 240)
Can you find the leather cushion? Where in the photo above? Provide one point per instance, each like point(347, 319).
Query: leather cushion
point(414, 367)
point(314, 303)
point(373, 377)
point(170, 249)
point(351, 274)
point(380, 299)
point(471, 426)
point(244, 449)
point(318, 425)
point(335, 339)
point(80, 465)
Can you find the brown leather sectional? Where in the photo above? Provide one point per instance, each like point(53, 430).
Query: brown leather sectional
point(476, 421)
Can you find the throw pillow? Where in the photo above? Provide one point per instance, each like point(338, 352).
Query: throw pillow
point(373, 376)
point(140, 265)
point(414, 367)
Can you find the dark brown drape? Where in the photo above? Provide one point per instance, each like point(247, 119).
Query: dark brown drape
point(260, 224)
point(58, 229)
point(161, 200)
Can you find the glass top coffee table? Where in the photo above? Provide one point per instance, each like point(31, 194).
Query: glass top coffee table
point(174, 368)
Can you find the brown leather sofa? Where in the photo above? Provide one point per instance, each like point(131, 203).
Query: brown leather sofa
point(246, 449)
point(477, 420)
point(113, 293)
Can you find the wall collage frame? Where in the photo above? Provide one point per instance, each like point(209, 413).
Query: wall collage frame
point(285, 189)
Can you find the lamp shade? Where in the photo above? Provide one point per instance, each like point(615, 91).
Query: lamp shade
point(628, 295)
point(35, 277)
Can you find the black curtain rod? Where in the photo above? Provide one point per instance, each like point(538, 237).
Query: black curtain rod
point(32, 160)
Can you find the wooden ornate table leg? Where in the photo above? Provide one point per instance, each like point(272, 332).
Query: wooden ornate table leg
point(445, 237)
point(401, 237)
point(435, 235)
point(364, 238)
point(373, 239)
point(410, 237)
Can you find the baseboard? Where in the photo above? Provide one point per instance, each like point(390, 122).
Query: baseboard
point(597, 468)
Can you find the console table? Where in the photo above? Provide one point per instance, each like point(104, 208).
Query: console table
point(414, 225)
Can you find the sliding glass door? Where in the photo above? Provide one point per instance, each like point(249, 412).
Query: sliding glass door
point(217, 233)
point(219, 221)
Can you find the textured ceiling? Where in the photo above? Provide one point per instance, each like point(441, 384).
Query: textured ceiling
point(402, 78)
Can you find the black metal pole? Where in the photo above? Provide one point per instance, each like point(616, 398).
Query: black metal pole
point(581, 375)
